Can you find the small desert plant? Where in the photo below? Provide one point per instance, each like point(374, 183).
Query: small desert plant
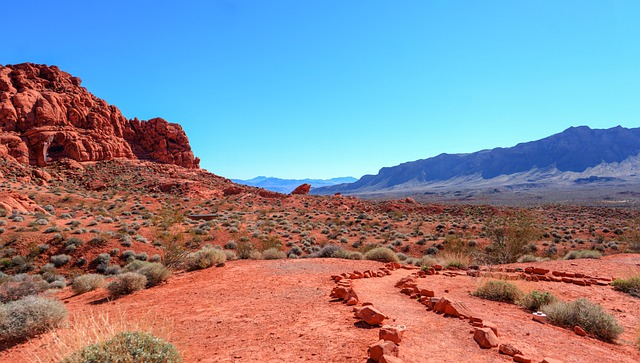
point(382, 254)
point(498, 290)
point(136, 346)
point(86, 283)
point(154, 272)
point(535, 299)
point(629, 286)
point(60, 260)
point(585, 314)
point(574, 255)
point(204, 258)
point(30, 316)
point(273, 254)
point(127, 283)
point(328, 251)
point(509, 237)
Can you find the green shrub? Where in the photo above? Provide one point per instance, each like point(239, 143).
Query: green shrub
point(534, 300)
point(587, 315)
point(382, 254)
point(574, 255)
point(205, 258)
point(86, 283)
point(127, 283)
point(629, 286)
point(273, 254)
point(153, 271)
point(127, 347)
point(60, 260)
point(498, 290)
point(30, 316)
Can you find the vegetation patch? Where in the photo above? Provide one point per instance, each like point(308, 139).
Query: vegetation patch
point(535, 299)
point(585, 314)
point(498, 290)
point(382, 254)
point(574, 255)
point(127, 347)
point(629, 286)
point(29, 316)
point(127, 283)
point(205, 258)
point(86, 283)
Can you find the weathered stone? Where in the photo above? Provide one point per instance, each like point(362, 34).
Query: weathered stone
point(393, 333)
point(550, 360)
point(579, 331)
point(371, 315)
point(390, 359)
point(509, 350)
point(382, 347)
point(301, 189)
point(453, 308)
point(485, 338)
point(521, 359)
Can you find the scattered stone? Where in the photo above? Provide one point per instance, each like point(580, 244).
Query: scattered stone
point(492, 326)
point(382, 348)
point(521, 359)
point(371, 315)
point(393, 333)
point(579, 331)
point(509, 350)
point(452, 308)
point(485, 338)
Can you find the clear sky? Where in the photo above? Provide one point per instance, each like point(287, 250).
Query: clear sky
point(328, 88)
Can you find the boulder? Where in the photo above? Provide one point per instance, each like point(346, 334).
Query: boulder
point(392, 333)
point(485, 338)
point(301, 189)
point(452, 308)
point(579, 331)
point(390, 359)
point(521, 359)
point(381, 348)
point(371, 315)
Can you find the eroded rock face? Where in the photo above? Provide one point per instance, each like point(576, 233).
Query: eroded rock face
point(45, 115)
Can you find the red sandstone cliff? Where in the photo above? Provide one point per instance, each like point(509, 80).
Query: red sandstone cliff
point(45, 115)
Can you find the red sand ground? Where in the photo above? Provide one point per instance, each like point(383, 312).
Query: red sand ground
point(280, 311)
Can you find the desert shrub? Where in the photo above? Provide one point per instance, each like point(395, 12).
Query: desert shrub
point(244, 249)
point(535, 299)
point(52, 229)
point(529, 258)
point(127, 347)
point(153, 271)
point(328, 251)
point(455, 259)
point(498, 290)
point(86, 283)
point(155, 258)
point(587, 315)
point(510, 237)
point(19, 286)
point(231, 255)
point(574, 255)
point(629, 286)
point(255, 255)
point(60, 260)
point(112, 270)
point(127, 283)
point(231, 245)
point(273, 254)
point(204, 258)
point(30, 316)
point(382, 254)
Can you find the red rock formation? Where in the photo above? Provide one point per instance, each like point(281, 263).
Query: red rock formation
point(45, 116)
point(302, 189)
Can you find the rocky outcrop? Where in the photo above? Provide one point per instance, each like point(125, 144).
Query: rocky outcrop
point(45, 115)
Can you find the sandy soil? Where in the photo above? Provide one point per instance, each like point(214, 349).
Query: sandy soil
point(280, 311)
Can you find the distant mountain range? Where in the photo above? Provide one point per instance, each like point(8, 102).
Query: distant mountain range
point(576, 157)
point(288, 185)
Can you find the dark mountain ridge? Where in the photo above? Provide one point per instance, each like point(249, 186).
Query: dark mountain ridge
point(572, 151)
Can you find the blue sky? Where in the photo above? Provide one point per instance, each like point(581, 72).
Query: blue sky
point(325, 88)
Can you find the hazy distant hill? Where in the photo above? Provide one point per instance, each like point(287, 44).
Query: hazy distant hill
point(288, 185)
point(578, 156)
